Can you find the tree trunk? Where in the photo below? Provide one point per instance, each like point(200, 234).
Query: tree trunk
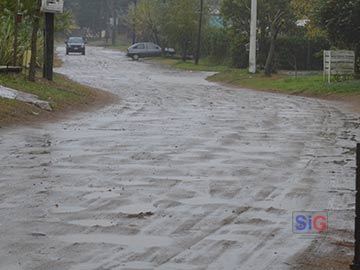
point(16, 32)
point(271, 53)
point(185, 48)
point(35, 29)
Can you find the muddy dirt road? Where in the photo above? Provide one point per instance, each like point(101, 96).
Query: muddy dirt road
point(181, 174)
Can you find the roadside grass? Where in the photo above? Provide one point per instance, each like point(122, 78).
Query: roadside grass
point(63, 94)
point(122, 43)
point(58, 62)
point(308, 85)
point(177, 63)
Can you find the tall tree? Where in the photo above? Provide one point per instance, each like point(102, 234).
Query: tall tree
point(274, 17)
point(181, 25)
point(280, 17)
point(34, 38)
point(341, 20)
point(147, 16)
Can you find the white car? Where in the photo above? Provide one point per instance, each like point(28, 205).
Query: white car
point(147, 49)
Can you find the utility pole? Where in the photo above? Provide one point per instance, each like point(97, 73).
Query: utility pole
point(107, 19)
point(253, 45)
point(16, 31)
point(198, 45)
point(49, 46)
point(114, 29)
point(134, 24)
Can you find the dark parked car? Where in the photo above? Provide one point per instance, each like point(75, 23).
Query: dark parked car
point(75, 45)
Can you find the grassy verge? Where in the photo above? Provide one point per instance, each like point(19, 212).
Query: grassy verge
point(63, 94)
point(307, 85)
point(121, 43)
point(177, 63)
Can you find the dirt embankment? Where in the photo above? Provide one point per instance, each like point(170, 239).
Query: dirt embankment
point(65, 96)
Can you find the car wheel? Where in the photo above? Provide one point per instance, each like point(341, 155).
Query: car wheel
point(67, 53)
point(83, 53)
point(135, 57)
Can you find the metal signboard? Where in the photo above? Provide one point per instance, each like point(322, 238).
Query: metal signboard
point(52, 6)
point(339, 63)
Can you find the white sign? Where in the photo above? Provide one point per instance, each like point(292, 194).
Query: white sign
point(339, 63)
point(52, 6)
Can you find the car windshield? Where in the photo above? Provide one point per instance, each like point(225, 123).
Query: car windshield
point(138, 46)
point(76, 40)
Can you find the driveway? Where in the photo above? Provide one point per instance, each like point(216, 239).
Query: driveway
point(180, 174)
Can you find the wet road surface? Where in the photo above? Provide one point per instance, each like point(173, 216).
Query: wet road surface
point(181, 174)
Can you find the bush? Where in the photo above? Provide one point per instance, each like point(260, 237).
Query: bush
point(216, 45)
point(299, 52)
point(7, 39)
point(239, 54)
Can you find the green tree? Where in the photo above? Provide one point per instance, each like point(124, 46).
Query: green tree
point(147, 17)
point(170, 22)
point(94, 15)
point(181, 25)
point(341, 20)
point(35, 18)
point(274, 17)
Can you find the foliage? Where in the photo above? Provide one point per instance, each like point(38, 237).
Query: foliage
point(239, 54)
point(147, 18)
point(274, 18)
point(7, 37)
point(341, 20)
point(93, 16)
point(170, 23)
point(181, 25)
point(296, 51)
point(216, 45)
point(27, 8)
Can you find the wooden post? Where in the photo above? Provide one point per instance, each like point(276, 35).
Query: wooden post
point(329, 76)
point(114, 29)
point(16, 31)
point(198, 45)
point(356, 261)
point(49, 46)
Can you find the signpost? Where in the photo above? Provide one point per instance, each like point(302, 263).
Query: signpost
point(338, 63)
point(50, 7)
point(198, 44)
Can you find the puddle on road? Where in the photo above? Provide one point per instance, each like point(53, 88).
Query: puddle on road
point(133, 241)
point(68, 209)
point(136, 208)
point(93, 222)
point(128, 265)
point(208, 201)
point(101, 195)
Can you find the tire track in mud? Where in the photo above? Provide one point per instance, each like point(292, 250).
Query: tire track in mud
point(181, 174)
